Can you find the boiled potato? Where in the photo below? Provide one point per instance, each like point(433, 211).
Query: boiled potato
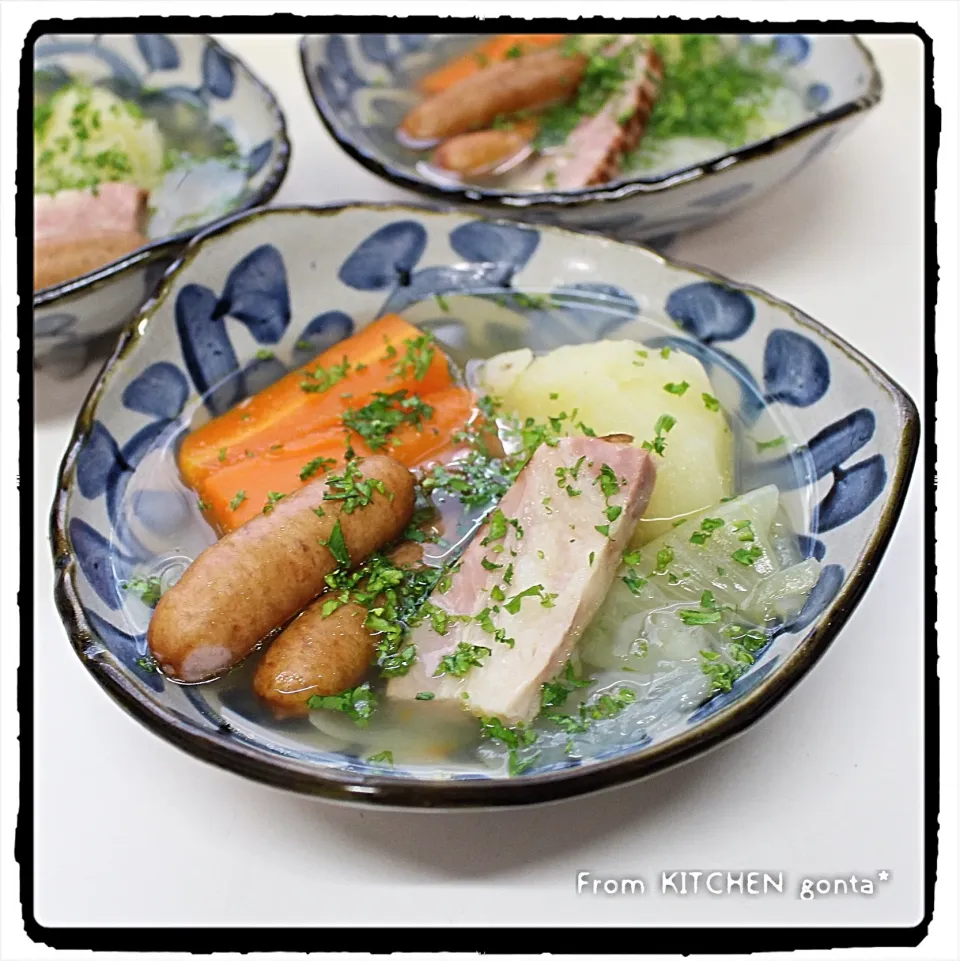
point(620, 387)
point(87, 135)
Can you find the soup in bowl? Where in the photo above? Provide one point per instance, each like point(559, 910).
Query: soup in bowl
point(387, 504)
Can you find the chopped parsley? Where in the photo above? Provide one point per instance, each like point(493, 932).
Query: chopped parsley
point(710, 402)
point(317, 465)
point(463, 659)
point(322, 380)
point(694, 617)
point(358, 703)
point(664, 559)
point(707, 527)
point(514, 738)
point(273, 498)
point(337, 546)
point(678, 389)
point(763, 445)
point(417, 358)
point(597, 709)
point(384, 757)
point(376, 421)
point(664, 425)
point(352, 488)
point(148, 589)
point(237, 499)
point(425, 696)
point(555, 692)
point(496, 528)
point(747, 555)
point(475, 481)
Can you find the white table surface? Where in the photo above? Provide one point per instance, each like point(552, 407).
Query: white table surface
point(133, 832)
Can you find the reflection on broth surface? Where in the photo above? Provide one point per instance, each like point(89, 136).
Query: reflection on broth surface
point(682, 607)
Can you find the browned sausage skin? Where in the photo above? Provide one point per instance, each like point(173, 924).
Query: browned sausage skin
point(484, 151)
point(321, 655)
point(528, 83)
point(256, 578)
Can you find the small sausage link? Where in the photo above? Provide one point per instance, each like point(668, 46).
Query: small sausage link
point(527, 83)
point(256, 578)
point(321, 655)
point(483, 151)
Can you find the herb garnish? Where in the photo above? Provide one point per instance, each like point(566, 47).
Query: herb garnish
point(376, 421)
point(663, 426)
point(237, 499)
point(148, 589)
point(465, 657)
point(353, 488)
point(358, 704)
point(322, 380)
point(555, 692)
point(318, 464)
point(514, 738)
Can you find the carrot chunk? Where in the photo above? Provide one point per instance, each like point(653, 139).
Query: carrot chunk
point(244, 487)
point(387, 355)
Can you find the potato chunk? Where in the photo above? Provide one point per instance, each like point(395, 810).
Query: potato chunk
point(621, 386)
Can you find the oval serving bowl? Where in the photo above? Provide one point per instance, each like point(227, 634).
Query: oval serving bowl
point(265, 291)
point(360, 86)
point(192, 69)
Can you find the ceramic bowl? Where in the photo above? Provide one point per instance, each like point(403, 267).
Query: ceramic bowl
point(261, 293)
point(194, 72)
point(361, 88)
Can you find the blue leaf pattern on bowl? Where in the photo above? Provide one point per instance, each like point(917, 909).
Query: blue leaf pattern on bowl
point(207, 352)
point(494, 243)
point(127, 649)
point(158, 51)
point(217, 69)
point(256, 294)
point(791, 48)
point(386, 257)
point(853, 491)
point(160, 390)
point(710, 312)
point(795, 370)
point(104, 567)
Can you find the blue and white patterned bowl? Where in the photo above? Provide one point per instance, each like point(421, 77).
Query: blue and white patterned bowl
point(291, 282)
point(192, 69)
point(361, 88)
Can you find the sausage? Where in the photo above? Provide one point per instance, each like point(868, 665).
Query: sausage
point(315, 655)
point(527, 83)
point(256, 578)
point(319, 655)
point(483, 151)
point(58, 260)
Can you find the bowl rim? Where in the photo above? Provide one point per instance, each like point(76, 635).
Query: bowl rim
point(408, 793)
point(632, 187)
point(155, 249)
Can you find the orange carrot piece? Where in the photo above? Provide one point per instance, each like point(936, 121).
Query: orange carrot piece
point(238, 491)
point(313, 397)
point(494, 50)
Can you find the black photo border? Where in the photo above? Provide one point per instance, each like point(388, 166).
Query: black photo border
point(491, 940)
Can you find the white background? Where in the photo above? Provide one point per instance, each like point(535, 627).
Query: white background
point(131, 831)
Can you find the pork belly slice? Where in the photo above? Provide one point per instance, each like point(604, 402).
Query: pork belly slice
point(594, 151)
point(115, 208)
point(532, 579)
